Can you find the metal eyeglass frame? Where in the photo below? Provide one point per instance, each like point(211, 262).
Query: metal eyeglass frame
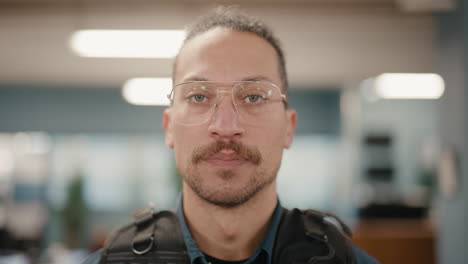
point(218, 92)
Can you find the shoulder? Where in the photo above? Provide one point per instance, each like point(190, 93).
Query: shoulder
point(327, 226)
point(362, 257)
point(94, 258)
point(308, 234)
point(335, 224)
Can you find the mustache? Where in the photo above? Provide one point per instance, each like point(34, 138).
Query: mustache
point(248, 153)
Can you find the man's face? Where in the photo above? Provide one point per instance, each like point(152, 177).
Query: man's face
point(226, 161)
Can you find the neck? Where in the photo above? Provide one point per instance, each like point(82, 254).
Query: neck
point(230, 233)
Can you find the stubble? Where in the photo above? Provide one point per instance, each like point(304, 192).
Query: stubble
point(229, 193)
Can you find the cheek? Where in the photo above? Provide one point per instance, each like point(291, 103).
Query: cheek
point(185, 140)
point(276, 133)
point(270, 142)
point(183, 154)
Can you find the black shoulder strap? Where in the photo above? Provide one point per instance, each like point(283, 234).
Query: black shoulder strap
point(153, 238)
point(312, 237)
point(303, 237)
point(145, 226)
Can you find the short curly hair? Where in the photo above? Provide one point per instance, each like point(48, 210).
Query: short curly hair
point(231, 18)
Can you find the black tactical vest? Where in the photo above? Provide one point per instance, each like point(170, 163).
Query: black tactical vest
point(304, 237)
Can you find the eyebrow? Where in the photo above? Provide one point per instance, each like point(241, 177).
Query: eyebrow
point(257, 78)
point(254, 78)
point(195, 79)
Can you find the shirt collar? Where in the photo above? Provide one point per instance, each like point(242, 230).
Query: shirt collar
point(196, 256)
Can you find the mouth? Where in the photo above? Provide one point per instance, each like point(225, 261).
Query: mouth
point(226, 158)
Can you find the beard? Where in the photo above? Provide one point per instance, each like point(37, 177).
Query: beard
point(228, 194)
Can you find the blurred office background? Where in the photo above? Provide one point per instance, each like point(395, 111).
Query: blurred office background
point(76, 158)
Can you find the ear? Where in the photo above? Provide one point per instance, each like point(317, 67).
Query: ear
point(168, 128)
point(291, 123)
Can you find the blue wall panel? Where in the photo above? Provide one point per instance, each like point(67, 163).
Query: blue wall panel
point(89, 110)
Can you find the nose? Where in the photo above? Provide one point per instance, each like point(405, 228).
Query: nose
point(225, 121)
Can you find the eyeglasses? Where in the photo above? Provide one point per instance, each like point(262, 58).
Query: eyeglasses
point(194, 103)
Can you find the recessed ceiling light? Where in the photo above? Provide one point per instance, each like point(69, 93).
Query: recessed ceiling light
point(127, 43)
point(147, 91)
point(409, 86)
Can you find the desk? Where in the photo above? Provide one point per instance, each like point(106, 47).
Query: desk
point(397, 241)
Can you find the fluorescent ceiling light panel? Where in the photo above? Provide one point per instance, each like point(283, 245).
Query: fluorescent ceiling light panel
point(127, 43)
point(147, 91)
point(409, 86)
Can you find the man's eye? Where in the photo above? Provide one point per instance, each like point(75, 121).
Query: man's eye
point(253, 98)
point(198, 98)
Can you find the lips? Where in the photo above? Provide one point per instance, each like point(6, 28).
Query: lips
point(226, 158)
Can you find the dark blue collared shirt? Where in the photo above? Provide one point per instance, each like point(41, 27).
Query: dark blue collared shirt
point(262, 255)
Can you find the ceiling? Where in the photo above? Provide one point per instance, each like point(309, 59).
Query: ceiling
point(328, 43)
point(335, 3)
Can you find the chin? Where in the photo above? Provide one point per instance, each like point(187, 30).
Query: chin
point(227, 199)
point(227, 187)
point(229, 194)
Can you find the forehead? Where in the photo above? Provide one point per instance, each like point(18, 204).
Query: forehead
point(224, 55)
